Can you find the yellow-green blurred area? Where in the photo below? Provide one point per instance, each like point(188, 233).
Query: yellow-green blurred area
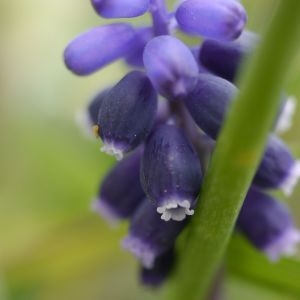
point(51, 245)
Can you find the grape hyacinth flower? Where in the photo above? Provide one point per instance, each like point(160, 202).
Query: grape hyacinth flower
point(119, 194)
point(209, 102)
point(127, 114)
point(219, 19)
point(278, 168)
point(162, 122)
point(268, 225)
point(98, 47)
point(172, 73)
point(149, 236)
point(224, 58)
point(171, 173)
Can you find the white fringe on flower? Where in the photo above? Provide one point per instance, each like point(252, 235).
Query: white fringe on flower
point(175, 210)
point(285, 120)
point(291, 181)
point(111, 149)
point(286, 245)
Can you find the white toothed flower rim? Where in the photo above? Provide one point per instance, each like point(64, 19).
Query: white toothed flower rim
point(286, 245)
point(111, 149)
point(290, 182)
point(175, 210)
point(285, 120)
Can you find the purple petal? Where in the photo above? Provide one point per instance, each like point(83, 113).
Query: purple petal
point(268, 224)
point(127, 114)
point(120, 8)
point(170, 66)
point(278, 168)
point(98, 47)
point(219, 19)
point(149, 236)
point(121, 193)
point(171, 173)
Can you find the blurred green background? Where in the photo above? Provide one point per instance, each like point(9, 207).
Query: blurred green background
point(51, 245)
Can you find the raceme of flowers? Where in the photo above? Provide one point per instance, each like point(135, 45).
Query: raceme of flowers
point(161, 121)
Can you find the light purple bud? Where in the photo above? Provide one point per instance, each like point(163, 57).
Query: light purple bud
point(120, 8)
point(171, 173)
point(98, 47)
point(218, 19)
point(278, 168)
point(170, 66)
point(149, 236)
point(268, 225)
point(127, 114)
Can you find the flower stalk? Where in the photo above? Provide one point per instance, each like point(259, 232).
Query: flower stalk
point(239, 150)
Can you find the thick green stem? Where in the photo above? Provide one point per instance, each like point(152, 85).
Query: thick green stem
point(237, 155)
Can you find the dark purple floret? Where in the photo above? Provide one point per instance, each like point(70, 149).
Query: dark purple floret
point(171, 173)
point(219, 19)
point(208, 102)
point(120, 8)
point(158, 274)
point(268, 225)
point(98, 47)
point(170, 66)
point(149, 236)
point(135, 57)
point(127, 114)
point(120, 192)
point(224, 58)
point(278, 168)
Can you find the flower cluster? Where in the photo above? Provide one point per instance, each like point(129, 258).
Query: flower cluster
point(161, 121)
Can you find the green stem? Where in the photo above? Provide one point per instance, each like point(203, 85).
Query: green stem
point(237, 155)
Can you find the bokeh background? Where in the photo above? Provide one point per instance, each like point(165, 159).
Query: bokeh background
point(51, 245)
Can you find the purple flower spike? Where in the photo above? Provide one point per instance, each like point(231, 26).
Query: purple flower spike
point(157, 275)
point(224, 58)
point(120, 192)
point(208, 102)
point(120, 8)
point(219, 19)
point(268, 225)
point(278, 168)
point(127, 114)
point(170, 66)
point(149, 236)
point(98, 47)
point(171, 173)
